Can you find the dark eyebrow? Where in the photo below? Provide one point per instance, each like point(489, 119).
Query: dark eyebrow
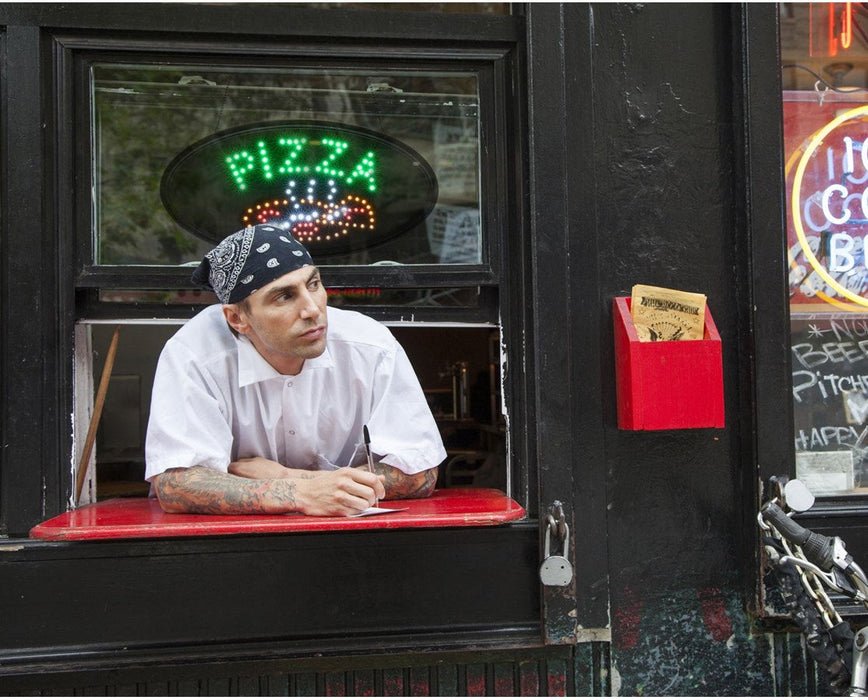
point(281, 291)
point(287, 288)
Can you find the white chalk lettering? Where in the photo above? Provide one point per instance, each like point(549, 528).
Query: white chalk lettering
point(826, 385)
point(809, 357)
point(826, 436)
point(849, 328)
point(810, 379)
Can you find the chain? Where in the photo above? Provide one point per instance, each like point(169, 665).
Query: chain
point(813, 587)
point(828, 639)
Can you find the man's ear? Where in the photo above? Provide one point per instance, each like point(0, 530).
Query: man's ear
point(236, 318)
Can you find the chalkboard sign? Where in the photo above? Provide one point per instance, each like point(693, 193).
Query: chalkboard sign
point(830, 392)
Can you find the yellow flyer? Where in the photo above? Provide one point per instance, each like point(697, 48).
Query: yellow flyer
point(667, 314)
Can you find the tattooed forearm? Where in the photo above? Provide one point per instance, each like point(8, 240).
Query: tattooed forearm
point(400, 485)
point(204, 490)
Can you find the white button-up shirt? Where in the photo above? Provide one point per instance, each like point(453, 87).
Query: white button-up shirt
point(216, 400)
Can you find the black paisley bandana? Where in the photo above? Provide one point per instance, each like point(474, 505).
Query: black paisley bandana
point(249, 259)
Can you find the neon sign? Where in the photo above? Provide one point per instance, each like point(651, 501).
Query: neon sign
point(830, 199)
point(335, 187)
point(831, 27)
point(243, 165)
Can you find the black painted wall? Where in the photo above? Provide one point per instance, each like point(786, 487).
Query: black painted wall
point(666, 197)
point(670, 212)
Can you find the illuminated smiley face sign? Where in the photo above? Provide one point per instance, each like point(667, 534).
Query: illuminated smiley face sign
point(336, 188)
point(829, 204)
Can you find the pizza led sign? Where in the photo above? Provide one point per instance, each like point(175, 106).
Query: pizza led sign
point(337, 188)
point(830, 202)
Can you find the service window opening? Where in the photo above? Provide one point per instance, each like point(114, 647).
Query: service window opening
point(457, 366)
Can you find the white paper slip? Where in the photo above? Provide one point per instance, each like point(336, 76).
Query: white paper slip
point(375, 511)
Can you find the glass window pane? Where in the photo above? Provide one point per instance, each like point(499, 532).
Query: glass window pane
point(366, 166)
point(825, 108)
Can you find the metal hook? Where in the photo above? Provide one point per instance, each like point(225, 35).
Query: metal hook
point(821, 94)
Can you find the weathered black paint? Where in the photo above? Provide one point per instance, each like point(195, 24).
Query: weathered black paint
point(87, 599)
point(555, 351)
point(648, 145)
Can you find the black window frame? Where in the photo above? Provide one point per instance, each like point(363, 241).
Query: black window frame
point(495, 69)
point(770, 322)
point(765, 330)
point(830, 508)
point(38, 338)
point(487, 64)
point(318, 38)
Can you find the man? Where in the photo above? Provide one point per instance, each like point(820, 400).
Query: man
point(260, 402)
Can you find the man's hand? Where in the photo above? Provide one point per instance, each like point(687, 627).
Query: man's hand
point(203, 490)
point(346, 491)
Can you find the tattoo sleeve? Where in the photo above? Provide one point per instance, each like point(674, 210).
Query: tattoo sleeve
point(400, 485)
point(206, 490)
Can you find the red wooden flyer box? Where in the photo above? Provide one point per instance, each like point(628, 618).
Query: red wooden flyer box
point(670, 384)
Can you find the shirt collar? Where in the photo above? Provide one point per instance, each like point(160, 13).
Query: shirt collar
point(253, 367)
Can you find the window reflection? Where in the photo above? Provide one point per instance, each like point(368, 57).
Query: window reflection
point(147, 115)
point(824, 54)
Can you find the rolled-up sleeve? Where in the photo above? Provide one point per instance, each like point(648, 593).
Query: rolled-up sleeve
point(403, 431)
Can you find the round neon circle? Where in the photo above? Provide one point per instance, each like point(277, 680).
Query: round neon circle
point(797, 187)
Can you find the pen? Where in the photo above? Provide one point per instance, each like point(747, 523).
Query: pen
point(370, 458)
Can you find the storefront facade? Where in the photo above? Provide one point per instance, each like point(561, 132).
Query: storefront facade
point(612, 145)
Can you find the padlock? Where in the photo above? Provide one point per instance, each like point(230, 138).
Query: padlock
point(555, 569)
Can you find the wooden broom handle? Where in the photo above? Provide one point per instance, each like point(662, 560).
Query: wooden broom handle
point(97, 412)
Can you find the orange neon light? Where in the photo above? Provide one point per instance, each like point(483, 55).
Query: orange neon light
point(830, 28)
point(847, 25)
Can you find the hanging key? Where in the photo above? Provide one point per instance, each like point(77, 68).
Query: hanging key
point(556, 569)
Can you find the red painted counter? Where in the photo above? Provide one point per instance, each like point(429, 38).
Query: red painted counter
point(121, 518)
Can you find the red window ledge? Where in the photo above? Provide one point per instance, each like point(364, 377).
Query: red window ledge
point(121, 518)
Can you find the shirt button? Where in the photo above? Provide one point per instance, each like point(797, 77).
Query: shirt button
point(288, 383)
point(292, 432)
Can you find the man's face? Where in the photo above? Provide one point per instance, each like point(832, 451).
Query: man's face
point(285, 320)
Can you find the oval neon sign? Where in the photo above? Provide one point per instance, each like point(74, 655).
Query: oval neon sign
point(337, 188)
point(841, 205)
